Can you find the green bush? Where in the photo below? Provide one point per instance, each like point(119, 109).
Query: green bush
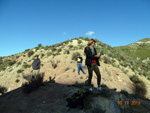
point(20, 71)
point(17, 80)
point(25, 66)
point(81, 77)
point(12, 63)
point(75, 55)
point(59, 50)
point(30, 53)
point(74, 70)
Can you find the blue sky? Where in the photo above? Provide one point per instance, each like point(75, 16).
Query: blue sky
point(26, 23)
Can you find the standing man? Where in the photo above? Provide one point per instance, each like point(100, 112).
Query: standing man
point(92, 63)
point(36, 65)
point(79, 64)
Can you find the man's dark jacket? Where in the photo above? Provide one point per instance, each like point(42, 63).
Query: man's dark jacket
point(36, 64)
point(90, 57)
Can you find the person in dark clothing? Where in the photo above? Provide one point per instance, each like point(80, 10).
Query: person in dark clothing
point(79, 64)
point(36, 65)
point(92, 62)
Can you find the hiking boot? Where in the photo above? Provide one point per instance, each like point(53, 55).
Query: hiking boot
point(91, 89)
point(99, 88)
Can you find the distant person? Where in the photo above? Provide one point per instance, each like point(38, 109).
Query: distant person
point(36, 65)
point(92, 63)
point(79, 64)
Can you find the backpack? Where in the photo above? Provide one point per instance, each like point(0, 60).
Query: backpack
point(79, 60)
point(77, 99)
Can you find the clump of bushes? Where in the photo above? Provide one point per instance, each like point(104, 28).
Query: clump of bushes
point(66, 52)
point(3, 90)
point(79, 41)
point(74, 70)
point(33, 82)
point(30, 53)
point(42, 55)
point(75, 55)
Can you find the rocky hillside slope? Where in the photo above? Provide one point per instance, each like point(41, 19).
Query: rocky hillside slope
point(118, 70)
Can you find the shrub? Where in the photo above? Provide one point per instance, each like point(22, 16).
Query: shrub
point(12, 63)
point(75, 55)
point(106, 60)
point(81, 77)
point(46, 47)
point(97, 109)
point(74, 70)
point(67, 68)
point(70, 46)
point(42, 55)
point(53, 49)
point(20, 71)
point(54, 65)
point(33, 83)
point(66, 52)
point(27, 50)
point(39, 45)
point(135, 79)
point(59, 50)
point(51, 80)
point(3, 90)
point(49, 54)
point(25, 66)
point(30, 53)
point(17, 80)
point(79, 41)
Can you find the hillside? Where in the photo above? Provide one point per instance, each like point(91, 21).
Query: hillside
point(118, 69)
point(139, 49)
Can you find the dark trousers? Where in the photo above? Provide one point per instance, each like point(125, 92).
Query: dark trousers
point(96, 70)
